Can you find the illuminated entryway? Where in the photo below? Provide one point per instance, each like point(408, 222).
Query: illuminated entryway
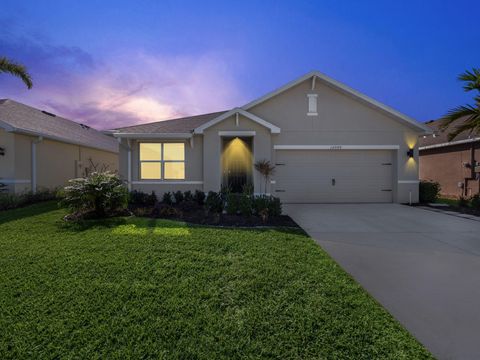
point(237, 162)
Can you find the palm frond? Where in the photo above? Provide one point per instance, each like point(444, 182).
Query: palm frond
point(455, 114)
point(472, 79)
point(18, 70)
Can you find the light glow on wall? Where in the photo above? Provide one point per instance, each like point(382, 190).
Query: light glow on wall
point(237, 155)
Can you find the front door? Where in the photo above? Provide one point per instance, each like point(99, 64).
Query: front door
point(237, 163)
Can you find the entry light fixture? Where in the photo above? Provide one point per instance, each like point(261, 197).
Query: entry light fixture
point(2, 151)
point(410, 153)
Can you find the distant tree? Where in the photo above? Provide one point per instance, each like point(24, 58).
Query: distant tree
point(470, 112)
point(16, 69)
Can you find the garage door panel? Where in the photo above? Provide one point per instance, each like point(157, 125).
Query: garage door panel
point(359, 176)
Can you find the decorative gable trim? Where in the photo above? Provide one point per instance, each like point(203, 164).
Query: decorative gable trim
point(346, 90)
point(273, 129)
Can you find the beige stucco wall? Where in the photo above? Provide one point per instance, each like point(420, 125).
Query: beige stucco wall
point(262, 149)
point(57, 162)
point(193, 167)
point(342, 120)
point(7, 161)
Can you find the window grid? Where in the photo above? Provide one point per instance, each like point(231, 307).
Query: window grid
point(161, 162)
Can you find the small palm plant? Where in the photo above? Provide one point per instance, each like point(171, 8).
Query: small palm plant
point(470, 112)
point(15, 69)
point(265, 169)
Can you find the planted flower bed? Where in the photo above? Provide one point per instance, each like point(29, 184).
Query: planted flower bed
point(214, 208)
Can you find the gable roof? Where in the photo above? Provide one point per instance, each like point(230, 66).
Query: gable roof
point(20, 118)
point(439, 138)
point(273, 129)
point(185, 125)
point(316, 75)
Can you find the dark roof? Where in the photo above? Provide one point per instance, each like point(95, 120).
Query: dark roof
point(180, 125)
point(441, 137)
point(26, 119)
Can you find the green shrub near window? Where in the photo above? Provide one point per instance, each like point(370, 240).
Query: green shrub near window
point(214, 202)
point(199, 197)
point(99, 194)
point(11, 201)
point(232, 204)
point(139, 198)
point(429, 191)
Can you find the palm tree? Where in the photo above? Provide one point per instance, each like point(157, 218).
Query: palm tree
point(266, 169)
point(9, 66)
point(470, 112)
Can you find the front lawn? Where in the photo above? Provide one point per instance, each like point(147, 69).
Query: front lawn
point(144, 288)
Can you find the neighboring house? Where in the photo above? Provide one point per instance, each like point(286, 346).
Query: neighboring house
point(328, 142)
point(41, 150)
point(453, 164)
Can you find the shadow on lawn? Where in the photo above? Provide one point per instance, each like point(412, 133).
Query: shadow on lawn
point(27, 211)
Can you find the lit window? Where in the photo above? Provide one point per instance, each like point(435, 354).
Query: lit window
point(312, 104)
point(162, 161)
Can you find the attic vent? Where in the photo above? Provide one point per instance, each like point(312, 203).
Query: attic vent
point(48, 113)
point(312, 104)
point(86, 127)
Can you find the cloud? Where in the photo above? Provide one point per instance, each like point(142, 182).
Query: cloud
point(119, 90)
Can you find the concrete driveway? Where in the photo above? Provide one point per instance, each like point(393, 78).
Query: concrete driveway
point(422, 266)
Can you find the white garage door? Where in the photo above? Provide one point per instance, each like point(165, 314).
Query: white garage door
point(334, 176)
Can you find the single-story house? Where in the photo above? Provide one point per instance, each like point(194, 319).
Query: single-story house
point(39, 150)
point(328, 143)
point(455, 164)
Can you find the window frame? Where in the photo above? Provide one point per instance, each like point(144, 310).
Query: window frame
point(161, 161)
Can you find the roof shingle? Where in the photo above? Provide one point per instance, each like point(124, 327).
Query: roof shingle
point(26, 119)
point(441, 137)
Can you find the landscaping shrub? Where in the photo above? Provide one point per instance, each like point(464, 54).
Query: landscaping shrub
point(475, 202)
point(245, 205)
point(199, 197)
point(178, 195)
point(167, 198)
point(429, 191)
point(232, 205)
point(266, 206)
point(214, 202)
point(12, 201)
point(463, 201)
point(101, 194)
point(139, 198)
point(187, 196)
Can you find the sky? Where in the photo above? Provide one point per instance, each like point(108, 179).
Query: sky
point(118, 63)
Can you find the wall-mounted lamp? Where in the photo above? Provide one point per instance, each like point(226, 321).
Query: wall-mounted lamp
point(410, 153)
point(2, 151)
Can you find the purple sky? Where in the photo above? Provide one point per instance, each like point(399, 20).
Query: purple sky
point(117, 63)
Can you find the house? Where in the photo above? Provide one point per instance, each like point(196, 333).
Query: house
point(41, 150)
point(453, 164)
point(328, 142)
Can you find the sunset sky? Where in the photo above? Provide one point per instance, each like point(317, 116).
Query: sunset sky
point(114, 63)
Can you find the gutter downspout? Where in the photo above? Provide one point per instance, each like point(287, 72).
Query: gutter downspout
point(34, 163)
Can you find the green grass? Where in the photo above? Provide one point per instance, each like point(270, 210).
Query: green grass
point(451, 202)
point(139, 288)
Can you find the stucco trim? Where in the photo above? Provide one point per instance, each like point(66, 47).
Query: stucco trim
point(15, 181)
point(451, 143)
point(347, 90)
point(153, 135)
point(336, 147)
point(237, 133)
point(408, 181)
point(273, 129)
point(167, 182)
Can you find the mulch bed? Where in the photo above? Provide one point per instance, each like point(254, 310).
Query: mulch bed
point(202, 217)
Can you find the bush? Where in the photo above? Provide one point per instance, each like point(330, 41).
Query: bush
point(187, 196)
point(245, 205)
point(178, 195)
point(167, 198)
point(429, 191)
point(199, 197)
point(214, 202)
point(475, 202)
point(265, 206)
point(99, 193)
point(139, 198)
point(12, 201)
point(463, 201)
point(232, 205)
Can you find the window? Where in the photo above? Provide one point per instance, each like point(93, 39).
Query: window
point(312, 104)
point(162, 161)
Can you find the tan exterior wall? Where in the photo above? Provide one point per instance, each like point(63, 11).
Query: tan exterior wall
point(262, 149)
point(7, 161)
point(56, 162)
point(193, 167)
point(446, 166)
point(342, 120)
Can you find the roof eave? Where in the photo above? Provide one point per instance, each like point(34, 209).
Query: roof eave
point(153, 135)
